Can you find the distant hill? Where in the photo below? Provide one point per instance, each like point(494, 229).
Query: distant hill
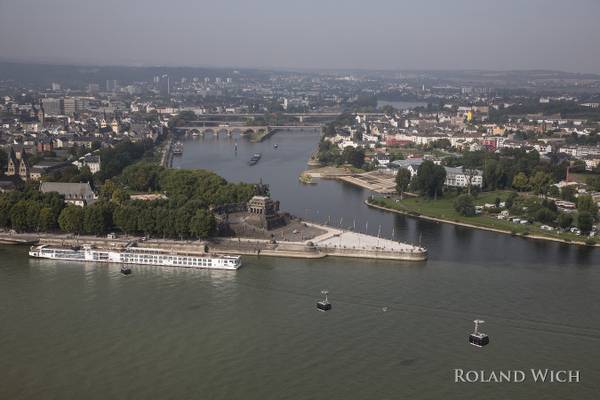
point(44, 74)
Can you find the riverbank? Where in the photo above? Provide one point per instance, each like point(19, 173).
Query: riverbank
point(524, 232)
point(333, 242)
point(373, 181)
point(259, 136)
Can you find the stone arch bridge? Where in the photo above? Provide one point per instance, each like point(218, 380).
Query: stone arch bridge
point(223, 129)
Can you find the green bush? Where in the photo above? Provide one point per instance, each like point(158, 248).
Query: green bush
point(464, 205)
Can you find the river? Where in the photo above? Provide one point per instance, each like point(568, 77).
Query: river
point(397, 329)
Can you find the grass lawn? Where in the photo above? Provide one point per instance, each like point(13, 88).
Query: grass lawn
point(443, 208)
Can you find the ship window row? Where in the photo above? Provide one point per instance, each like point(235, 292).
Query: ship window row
point(68, 253)
point(173, 259)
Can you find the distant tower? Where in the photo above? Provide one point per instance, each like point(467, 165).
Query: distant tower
point(165, 85)
point(114, 125)
point(13, 163)
point(112, 85)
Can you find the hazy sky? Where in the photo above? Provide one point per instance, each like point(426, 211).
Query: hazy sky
point(375, 34)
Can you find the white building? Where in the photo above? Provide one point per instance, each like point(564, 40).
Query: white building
point(457, 177)
point(89, 160)
point(412, 165)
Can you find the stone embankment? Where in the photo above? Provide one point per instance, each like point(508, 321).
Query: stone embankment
point(335, 243)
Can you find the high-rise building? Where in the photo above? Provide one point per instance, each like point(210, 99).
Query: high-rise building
point(165, 85)
point(55, 86)
point(69, 105)
point(112, 85)
point(93, 88)
point(51, 106)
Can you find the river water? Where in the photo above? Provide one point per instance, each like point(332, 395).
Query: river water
point(397, 330)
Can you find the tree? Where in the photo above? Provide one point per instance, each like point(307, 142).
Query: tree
point(491, 174)
point(126, 218)
point(520, 182)
point(33, 215)
point(585, 202)
point(565, 220)
point(202, 224)
point(464, 205)
point(568, 193)
point(71, 219)
point(430, 179)
point(146, 221)
point(403, 178)
point(141, 176)
point(5, 207)
point(553, 191)
point(47, 219)
point(585, 221)
point(107, 189)
point(594, 182)
point(541, 182)
point(119, 196)
point(18, 216)
point(545, 215)
point(354, 156)
point(97, 219)
point(182, 222)
point(510, 200)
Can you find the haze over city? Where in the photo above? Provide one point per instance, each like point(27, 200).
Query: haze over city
point(278, 199)
point(385, 34)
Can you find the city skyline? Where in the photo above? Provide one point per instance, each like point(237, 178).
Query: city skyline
point(430, 35)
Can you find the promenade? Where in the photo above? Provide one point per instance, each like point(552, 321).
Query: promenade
point(334, 242)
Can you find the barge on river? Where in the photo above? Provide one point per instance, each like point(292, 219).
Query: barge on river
point(137, 255)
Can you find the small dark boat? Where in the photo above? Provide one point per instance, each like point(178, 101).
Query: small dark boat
point(324, 305)
point(125, 270)
point(254, 159)
point(478, 339)
point(178, 149)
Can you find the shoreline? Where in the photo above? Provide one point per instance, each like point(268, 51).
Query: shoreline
point(485, 228)
point(334, 242)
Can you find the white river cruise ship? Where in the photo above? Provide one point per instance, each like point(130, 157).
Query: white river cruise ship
point(137, 255)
